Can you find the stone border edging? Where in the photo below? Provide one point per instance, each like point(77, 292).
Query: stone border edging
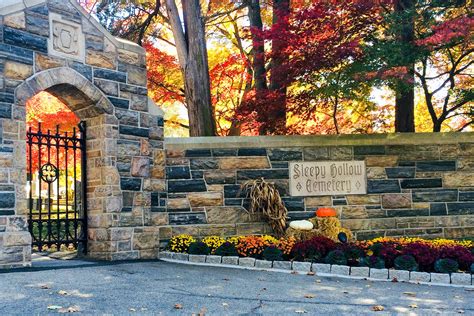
point(322, 269)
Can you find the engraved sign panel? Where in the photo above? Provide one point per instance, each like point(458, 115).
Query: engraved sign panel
point(312, 178)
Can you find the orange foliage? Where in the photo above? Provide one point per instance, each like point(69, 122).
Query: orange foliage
point(48, 110)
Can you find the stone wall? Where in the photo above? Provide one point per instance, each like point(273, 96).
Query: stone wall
point(54, 46)
point(417, 184)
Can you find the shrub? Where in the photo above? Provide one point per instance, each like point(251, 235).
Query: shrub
point(226, 249)
point(461, 254)
point(352, 251)
point(286, 245)
point(213, 242)
point(313, 249)
point(446, 266)
point(253, 246)
point(406, 262)
point(424, 254)
point(336, 257)
point(233, 240)
point(386, 250)
point(373, 262)
point(198, 248)
point(272, 253)
point(180, 243)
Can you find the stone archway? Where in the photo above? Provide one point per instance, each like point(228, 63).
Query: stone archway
point(104, 81)
point(92, 106)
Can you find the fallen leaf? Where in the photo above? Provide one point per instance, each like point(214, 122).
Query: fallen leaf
point(410, 293)
point(300, 311)
point(294, 272)
point(62, 292)
point(460, 311)
point(345, 292)
point(309, 296)
point(413, 306)
point(132, 309)
point(178, 306)
point(225, 304)
point(264, 289)
point(378, 308)
point(226, 279)
point(394, 280)
point(45, 286)
point(70, 309)
point(318, 281)
point(310, 273)
point(54, 307)
point(457, 296)
point(143, 309)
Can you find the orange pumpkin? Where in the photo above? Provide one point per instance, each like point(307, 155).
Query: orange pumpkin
point(326, 212)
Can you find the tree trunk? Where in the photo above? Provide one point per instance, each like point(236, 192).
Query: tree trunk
point(258, 61)
point(192, 56)
point(405, 94)
point(278, 82)
point(258, 49)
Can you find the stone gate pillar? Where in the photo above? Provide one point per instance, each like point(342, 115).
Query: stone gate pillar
point(55, 46)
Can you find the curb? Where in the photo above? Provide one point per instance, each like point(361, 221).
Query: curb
point(325, 270)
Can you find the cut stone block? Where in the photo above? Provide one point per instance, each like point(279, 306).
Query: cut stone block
point(440, 278)
point(360, 272)
point(282, 265)
point(165, 255)
point(381, 274)
point(321, 268)
point(400, 275)
point(213, 259)
point(180, 256)
point(197, 258)
point(247, 262)
point(264, 264)
point(230, 260)
point(461, 278)
point(302, 266)
point(340, 270)
point(420, 276)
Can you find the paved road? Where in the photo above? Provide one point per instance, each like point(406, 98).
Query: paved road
point(155, 287)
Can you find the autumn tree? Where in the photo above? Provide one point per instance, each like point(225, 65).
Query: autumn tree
point(434, 55)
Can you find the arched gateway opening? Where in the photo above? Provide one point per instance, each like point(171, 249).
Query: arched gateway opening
point(66, 159)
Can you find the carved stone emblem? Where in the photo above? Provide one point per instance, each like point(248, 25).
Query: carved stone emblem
point(66, 38)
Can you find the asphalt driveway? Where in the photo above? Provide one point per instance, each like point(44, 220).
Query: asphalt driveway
point(168, 289)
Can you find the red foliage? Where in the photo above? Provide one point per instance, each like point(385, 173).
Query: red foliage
point(318, 37)
point(163, 72)
point(448, 31)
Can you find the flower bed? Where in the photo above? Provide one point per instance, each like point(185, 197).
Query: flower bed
point(412, 254)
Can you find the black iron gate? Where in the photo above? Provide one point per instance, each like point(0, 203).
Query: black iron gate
point(56, 168)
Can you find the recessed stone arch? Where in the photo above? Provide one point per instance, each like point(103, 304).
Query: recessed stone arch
point(81, 96)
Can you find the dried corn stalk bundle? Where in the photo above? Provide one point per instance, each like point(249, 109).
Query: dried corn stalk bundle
point(265, 198)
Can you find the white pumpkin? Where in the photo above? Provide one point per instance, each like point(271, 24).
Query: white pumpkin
point(301, 225)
